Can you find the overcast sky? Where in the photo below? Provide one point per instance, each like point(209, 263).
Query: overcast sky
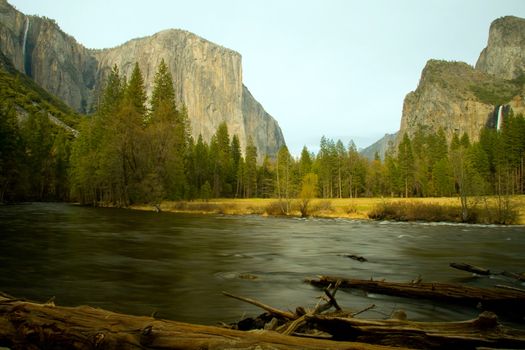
point(335, 68)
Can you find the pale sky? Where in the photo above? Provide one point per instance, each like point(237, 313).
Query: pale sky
point(335, 68)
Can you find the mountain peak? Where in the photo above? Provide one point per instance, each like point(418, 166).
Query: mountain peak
point(504, 56)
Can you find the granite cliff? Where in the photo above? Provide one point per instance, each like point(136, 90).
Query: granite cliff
point(207, 77)
point(504, 56)
point(459, 98)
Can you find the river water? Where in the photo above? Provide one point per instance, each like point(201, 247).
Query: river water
point(177, 265)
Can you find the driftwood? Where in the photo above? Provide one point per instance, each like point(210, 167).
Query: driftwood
point(470, 268)
point(510, 302)
point(486, 272)
point(356, 257)
point(480, 332)
point(287, 322)
point(503, 286)
point(270, 309)
point(28, 325)
point(483, 331)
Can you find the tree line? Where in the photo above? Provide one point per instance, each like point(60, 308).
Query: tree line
point(135, 150)
point(34, 152)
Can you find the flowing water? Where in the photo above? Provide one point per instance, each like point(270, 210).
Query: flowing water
point(24, 43)
point(177, 265)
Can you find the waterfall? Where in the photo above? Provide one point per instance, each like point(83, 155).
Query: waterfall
point(24, 43)
point(500, 118)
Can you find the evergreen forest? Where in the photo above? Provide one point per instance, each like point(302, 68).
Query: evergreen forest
point(134, 150)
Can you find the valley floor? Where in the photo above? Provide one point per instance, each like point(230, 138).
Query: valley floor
point(348, 208)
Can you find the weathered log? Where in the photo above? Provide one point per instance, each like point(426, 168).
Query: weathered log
point(486, 272)
point(517, 276)
point(508, 301)
point(268, 308)
point(470, 268)
point(28, 325)
point(502, 286)
point(482, 331)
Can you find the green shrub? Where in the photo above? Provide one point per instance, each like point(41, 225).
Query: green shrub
point(491, 213)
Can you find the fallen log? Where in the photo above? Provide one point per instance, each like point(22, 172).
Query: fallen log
point(486, 272)
point(472, 334)
point(29, 325)
point(502, 286)
point(470, 268)
point(510, 302)
point(483, 331)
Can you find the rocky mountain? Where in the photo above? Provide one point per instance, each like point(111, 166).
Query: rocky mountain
point(207, 77)
point(380, 147)
point(459, 98)
point(23, 94)
point(504, 56)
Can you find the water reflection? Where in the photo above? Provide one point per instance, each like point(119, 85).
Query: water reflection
point(177, 265)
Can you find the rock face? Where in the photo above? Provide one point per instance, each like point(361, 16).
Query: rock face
point(380, 147)
point(207, 77)
point(459, 98)
point(504, 56)
point(38, 48)
point(443, 99)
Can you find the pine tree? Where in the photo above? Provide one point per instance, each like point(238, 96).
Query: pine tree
point(37, 134)
point(376, 180)
point(327, 160)
point(356, 177)
point(284, 179)
point(442, 178)
point(341, 169)
point(163, 91)
point(266, 179)
point(221, 162)
point(135, 92)
point(236, 165)
point(392, 172)
point(12, 156)
point(251, 169)
point(305, 162)
point(112, 94)
point(406, 164)
point(167, 139)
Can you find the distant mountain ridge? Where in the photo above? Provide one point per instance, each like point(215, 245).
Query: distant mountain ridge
point(207, 77)
point(380, 147)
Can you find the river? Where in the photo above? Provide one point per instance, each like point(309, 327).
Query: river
point(177, 265)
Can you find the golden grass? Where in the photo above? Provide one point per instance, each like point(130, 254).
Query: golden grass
point(351, 208)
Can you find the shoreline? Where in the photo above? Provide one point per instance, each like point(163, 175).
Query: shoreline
point(336, 208)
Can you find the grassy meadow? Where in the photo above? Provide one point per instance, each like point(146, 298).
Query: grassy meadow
point(399, 209)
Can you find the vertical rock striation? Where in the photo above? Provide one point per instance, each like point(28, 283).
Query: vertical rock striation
point(39, 48)
point(260, 126)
